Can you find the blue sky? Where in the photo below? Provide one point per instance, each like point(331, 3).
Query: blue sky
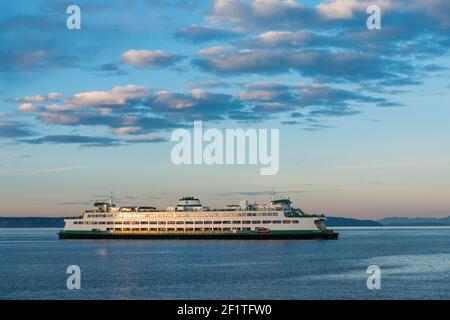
point(363, 114)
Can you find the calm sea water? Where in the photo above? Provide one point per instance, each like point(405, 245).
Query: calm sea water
point(415, 264)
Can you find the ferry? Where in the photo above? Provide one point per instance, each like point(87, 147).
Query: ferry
point(190, 220)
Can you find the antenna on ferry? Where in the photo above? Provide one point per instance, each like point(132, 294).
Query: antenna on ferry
point(111, 197)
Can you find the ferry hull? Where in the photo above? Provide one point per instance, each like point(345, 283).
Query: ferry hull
point(327, 235)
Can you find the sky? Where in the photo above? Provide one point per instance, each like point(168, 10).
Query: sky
point(363, 114)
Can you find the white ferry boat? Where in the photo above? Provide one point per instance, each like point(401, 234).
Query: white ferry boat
point(190, 220)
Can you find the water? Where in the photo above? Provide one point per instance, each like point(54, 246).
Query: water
point(415, 264)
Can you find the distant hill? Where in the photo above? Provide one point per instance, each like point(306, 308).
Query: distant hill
point(46, 222)
point(400, 221)
point(31, 222)
point(348, 222)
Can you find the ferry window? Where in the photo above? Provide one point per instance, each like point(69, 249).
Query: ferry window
point(170, 229)
point(135, 222)
point(198, 222)
point(180, 222)
point(110, 222)
point(144, 222)
point(226, 222)
point(170, 222)
point(162, 222)
point(237, 222)
point(217, 229)
point(144, 229)
point(189, 222)
point(217, 222)
point(161, 229)
point(135, 229)
point(118, 222)
point(152, 222)
point(294, 221)
point(276, 221)
point(266, 221)
point(189, 229)
point(246, 222)
point(246, 229)
point(256, 222)
point(207, 229)
point(207, 222)
point(286, 221)
point(153, 229)
point(102, 222)
point(94, 222)
point(275, 214)
point(226, 229)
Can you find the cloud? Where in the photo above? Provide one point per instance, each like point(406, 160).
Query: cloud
point(288, 39)
point(257, 13)
point(345, 9)
point(146, 139)
point(350, 66)
point(13, 129)
point(26, 107)
point(199, 34)
point(116, 97)
point(28, 60)
point(110, 69)
point(196, 105)
point(209, 84)
point(138, 112)
point(73, 139)
point(150, 58)
point(41, 98)
point(91, 141)
point(303, 95)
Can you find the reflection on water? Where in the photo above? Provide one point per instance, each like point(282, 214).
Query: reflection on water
point(415, 264)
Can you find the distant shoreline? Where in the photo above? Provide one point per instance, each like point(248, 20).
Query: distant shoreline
point(58, 222)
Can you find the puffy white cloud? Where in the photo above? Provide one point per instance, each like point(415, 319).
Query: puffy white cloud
point(274, 39)
point(118, 96)
point(344, 9)
point(149, 58)
point(26, 107)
